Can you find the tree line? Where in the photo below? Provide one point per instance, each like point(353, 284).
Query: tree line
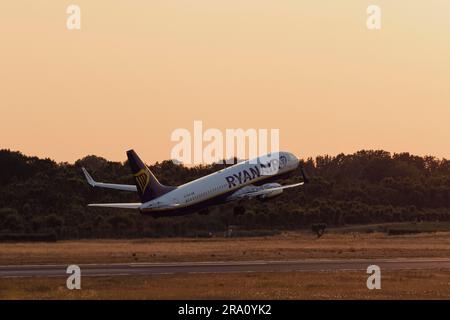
point(40, 196)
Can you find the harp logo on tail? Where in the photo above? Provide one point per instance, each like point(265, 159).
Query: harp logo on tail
point(142, 179)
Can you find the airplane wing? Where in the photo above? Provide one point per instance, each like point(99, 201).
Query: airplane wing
point(261, 192)
point(117, 205)
point(92, 182)
point(269, 190)
point(163, 206)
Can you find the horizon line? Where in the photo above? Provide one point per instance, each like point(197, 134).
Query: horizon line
point(313, 158)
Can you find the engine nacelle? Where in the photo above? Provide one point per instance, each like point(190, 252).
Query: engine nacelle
point(271, 194)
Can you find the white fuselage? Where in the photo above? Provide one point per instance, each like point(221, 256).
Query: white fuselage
point(223, 183)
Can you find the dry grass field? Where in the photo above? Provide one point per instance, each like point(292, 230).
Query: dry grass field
point(411, 284)
point(287, 246)
point(293, 285)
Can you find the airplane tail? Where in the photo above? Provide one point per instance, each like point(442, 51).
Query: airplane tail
point(147, 185)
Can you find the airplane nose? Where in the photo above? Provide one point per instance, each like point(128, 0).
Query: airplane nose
point(293, 160)
point(296, 161)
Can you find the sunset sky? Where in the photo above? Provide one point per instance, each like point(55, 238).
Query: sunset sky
point(137, 70)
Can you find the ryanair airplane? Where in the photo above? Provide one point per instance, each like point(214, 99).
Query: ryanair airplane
point(244, 180)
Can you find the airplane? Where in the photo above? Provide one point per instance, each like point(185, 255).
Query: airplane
point(244, 180)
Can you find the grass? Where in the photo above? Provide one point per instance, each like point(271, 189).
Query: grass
point(407, 227)
point(292, 285)
point(287, 246)
point(411, 284)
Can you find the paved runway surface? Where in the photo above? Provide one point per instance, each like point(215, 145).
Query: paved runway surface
point(221, 267)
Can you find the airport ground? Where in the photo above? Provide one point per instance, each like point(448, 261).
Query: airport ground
point(339, 284)
point(407, 284)
point(353, 244)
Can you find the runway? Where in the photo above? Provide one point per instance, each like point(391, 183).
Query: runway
point(136, 269)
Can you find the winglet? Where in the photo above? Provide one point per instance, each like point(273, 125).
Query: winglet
point(89, 179)
point(305, 178)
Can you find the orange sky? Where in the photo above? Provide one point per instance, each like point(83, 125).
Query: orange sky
point(138, 69)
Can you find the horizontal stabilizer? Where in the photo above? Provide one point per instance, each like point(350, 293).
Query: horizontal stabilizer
point(117, 205)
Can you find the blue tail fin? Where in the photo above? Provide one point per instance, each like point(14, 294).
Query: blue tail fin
point(148, 186)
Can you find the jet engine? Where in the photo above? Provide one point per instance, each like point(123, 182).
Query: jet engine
point(271, 194)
